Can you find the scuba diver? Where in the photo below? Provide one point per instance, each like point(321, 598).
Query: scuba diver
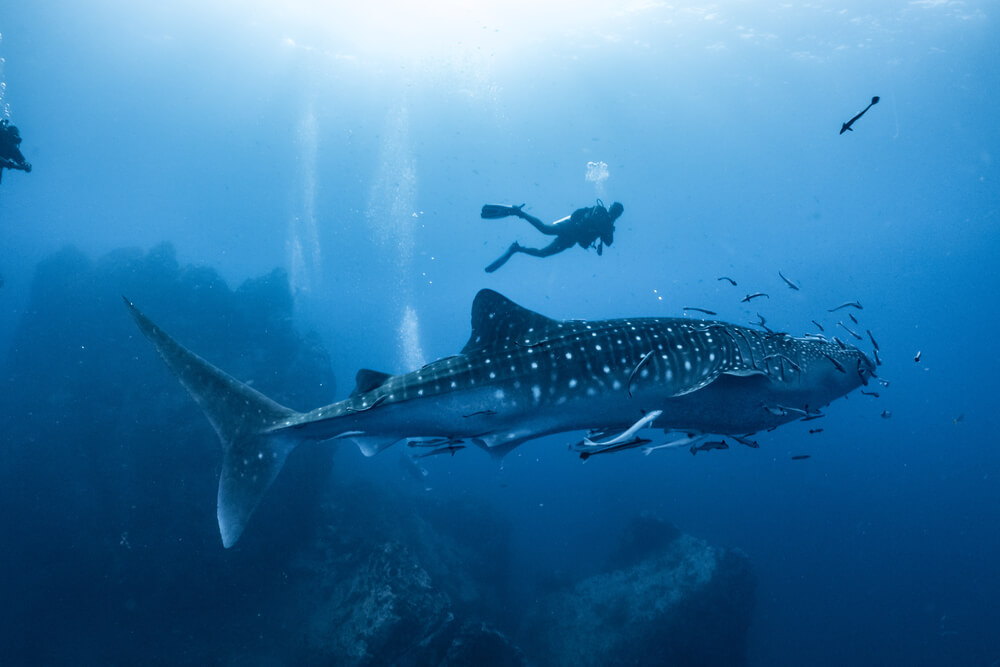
point(591, 226)
point(10, 154)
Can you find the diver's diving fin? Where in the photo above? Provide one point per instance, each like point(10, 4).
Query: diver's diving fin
point(496, 211)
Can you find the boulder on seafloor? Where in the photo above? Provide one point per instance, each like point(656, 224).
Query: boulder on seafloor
point(379, 607)
point(680, 602)
point(482, 645)
point(389, 588)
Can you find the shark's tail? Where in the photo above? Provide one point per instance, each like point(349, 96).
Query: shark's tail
point(250, 426)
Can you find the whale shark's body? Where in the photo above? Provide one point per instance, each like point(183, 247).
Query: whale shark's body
point(522, 376)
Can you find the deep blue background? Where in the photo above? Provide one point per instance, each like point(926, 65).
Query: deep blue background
point(355, 148)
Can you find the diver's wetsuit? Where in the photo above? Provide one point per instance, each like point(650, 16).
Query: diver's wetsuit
point(591, 226)
point(10, 155)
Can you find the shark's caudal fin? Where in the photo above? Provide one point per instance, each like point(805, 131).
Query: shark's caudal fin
point(243, 417)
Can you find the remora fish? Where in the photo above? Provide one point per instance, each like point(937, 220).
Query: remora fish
point(521, 376)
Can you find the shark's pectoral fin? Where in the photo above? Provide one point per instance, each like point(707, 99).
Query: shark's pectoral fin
point(370, 445)
point(498, 445)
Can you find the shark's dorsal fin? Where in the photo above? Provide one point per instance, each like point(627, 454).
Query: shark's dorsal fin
point(498, 322)
point(367, 379)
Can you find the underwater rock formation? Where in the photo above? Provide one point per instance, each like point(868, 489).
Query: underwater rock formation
point(107, 466)
point(676, 601)
point(381, 607)
point(388, 580)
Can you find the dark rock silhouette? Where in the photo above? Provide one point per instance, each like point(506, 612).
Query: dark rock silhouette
point(679, 602)
point(108, 467)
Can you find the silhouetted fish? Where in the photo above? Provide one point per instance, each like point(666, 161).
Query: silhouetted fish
point(849, 304)
point(847, 126)
point(447, 449)
point(789, 282)
point(708, 446)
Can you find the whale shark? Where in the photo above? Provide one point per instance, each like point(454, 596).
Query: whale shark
point(521, 376)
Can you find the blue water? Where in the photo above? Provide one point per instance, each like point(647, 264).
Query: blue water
point(354, 149)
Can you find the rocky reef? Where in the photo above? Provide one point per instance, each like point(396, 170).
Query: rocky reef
point(108, 474)
point(108, 479)
point(666, 599)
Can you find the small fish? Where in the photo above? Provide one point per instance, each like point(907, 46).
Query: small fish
point(689, 439)
point(762, 324)
point(619, 447)
point(789, 282)
point(878, 360)
point(485, 413)
point(847, 126)
point(815, 430)
point(917, 357)
point(840, 343)
point(647, 418)
point(783, 358)
point(836, 363)
point(812, 416)
point(872, 338)
point(870, 393)
point(958, 419)
point(750, 297)
point(746, 441)
point(628, 385)
point(818, 325)
point(853, 319)
point(431, 442)
point(851, 304)
point(886, 414)
point(447, 449)
point(861, 374)
point(800, 457)
point(708, 446)
point(781, 410)
point(848, 330)
point(731, 281)
point(701, 310)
